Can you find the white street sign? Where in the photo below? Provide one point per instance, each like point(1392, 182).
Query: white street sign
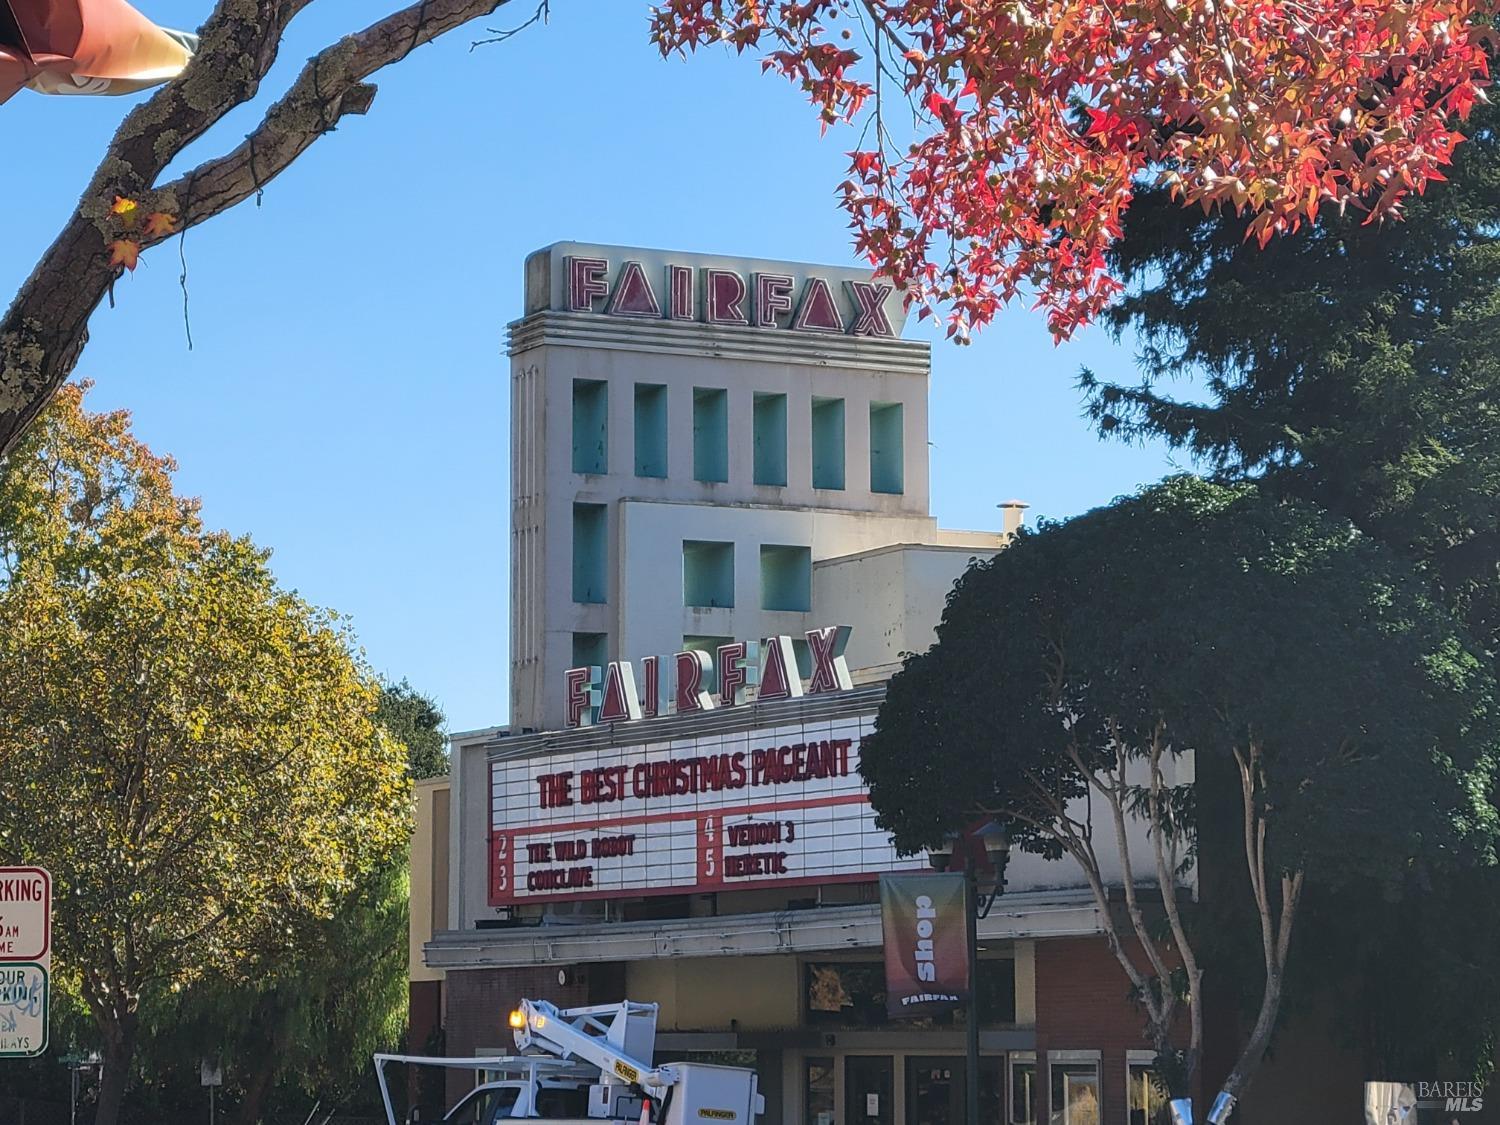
point(25, 914)
point(25, 960)
point(23, 1009)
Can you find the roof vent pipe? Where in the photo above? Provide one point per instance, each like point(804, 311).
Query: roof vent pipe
point(1013, 514)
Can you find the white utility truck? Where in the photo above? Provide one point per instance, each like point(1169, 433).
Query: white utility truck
point(583, 1066)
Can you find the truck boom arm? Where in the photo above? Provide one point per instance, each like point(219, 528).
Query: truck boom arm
point(602, 1036)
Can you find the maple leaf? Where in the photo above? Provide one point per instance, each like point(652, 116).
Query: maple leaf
point(124, 252)
point(1102, 122)
point(126, 210)
point(1241, 118)
point(159, 224)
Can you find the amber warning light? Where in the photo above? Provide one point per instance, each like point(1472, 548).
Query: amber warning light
point(518, 1019)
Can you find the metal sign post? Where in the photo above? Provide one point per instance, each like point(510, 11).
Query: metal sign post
point(212, 1075)
point(25, 960)
point(77, 1063)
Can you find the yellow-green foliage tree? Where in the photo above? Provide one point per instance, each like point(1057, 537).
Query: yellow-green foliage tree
point(190, 749)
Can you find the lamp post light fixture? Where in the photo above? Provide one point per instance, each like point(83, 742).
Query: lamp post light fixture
point(979, 900)
point(77, 1062)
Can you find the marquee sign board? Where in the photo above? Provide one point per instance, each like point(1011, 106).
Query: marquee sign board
point(770, 807)
point(25, 960)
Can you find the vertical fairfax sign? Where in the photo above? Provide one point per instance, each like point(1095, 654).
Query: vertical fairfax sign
point(25, 960)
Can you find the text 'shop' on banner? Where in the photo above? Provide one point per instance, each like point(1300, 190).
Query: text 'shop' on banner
point(925, 934)
point(85, 47)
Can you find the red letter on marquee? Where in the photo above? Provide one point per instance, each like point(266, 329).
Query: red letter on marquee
point(723, 297)
point(653, 699)
point(633, 294)
point(585, 282)
point(620, 702)
point(869, 299)
point(818, 311)
point(680, 293)
point(779, 678)
point(580, 696)
point(736, 671)
point(830, 672)
point(692, 667)
point(773, 296)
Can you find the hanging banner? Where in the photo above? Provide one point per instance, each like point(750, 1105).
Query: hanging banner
point(925, 935)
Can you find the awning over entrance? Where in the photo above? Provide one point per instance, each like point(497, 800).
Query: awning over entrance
point(1020, 916)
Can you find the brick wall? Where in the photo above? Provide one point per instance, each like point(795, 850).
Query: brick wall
point(1082, 1004)
point(479, 1000)
point(424, 1008)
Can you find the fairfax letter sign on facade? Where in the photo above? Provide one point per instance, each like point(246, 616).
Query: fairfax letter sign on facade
point(678, 684)
point(25, 960)
point(925, 936)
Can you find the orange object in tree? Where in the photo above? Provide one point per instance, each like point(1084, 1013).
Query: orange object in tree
point(85, 47)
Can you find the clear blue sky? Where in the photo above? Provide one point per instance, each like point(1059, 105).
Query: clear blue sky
point(345, 402)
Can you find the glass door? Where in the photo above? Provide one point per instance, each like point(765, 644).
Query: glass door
point(1023, 1089)
point(869, 1090)
point(817, 1091)
point(936, 1091)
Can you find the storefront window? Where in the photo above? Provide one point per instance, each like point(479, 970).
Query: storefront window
point(1022, 1090)
point(1148, 1096)
point(817, 1091)
point(1075, 1092)
point(845, 993)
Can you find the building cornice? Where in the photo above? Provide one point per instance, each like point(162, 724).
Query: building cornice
point(1038, 914)
point(703, 341)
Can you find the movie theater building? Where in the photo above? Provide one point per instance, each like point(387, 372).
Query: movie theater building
point(721, 546)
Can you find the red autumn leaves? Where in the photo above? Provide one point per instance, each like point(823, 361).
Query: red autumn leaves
point(131, 226)
point(1036, 121)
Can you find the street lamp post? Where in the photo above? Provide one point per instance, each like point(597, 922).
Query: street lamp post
point(77, 1062)
point(977, 904)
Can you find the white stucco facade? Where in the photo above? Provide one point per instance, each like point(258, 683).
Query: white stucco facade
point(587, 385)
point(708, 450)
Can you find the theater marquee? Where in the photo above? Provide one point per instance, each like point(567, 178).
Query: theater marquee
point(770, 807)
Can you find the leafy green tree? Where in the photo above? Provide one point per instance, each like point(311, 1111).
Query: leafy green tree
point(188, 748)
point(1357, 366)
point(305, 1025)
point(301, 1026)
point(415, 720)
point(1263, 636)
point(1354, 365)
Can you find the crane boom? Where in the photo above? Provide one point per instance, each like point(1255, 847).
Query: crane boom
point(581, 1066)
point(621, 1046)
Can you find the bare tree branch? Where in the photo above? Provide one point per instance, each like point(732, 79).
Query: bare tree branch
point(46, 327)
point(1161, 1010)
point(500, 35)
point(1166, 879)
